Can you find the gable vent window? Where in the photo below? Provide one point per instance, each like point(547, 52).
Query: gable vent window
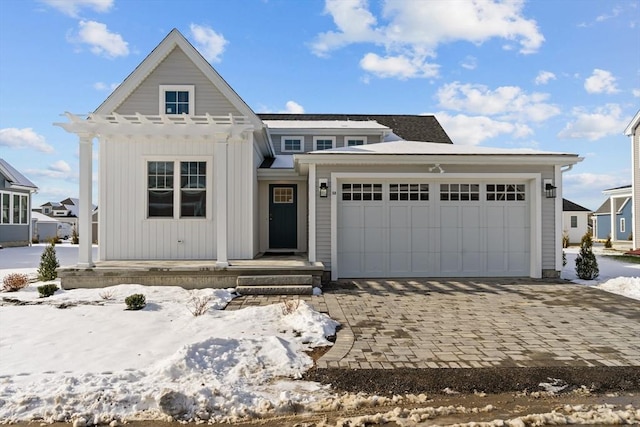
point(177, 99)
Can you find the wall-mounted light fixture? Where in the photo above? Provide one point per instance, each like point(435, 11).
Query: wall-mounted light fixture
point(323, 187)
point(549, 189)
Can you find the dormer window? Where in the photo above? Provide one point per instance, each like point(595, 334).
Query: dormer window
point(177, 99)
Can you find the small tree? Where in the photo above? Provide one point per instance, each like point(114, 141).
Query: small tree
point(586, 263)
point(48, 263)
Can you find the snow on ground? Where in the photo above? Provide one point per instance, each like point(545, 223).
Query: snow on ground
point(79, 355)
point(616, 276)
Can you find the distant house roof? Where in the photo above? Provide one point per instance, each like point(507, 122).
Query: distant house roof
point(14, 177)
point(408, 127)
point(618, 188)
point(569, 206)
point(605, 208)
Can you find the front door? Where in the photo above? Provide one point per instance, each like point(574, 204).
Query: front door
point(283, 216)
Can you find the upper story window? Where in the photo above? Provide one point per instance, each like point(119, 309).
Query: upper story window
point(177, 99)
point(352, 141)
point(324, 142)
point(292, 144)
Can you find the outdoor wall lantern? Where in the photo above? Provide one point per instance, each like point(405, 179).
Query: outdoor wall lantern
point(324, 188)
point(549, 189)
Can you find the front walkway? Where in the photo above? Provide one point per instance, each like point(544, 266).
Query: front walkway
point(465, 324)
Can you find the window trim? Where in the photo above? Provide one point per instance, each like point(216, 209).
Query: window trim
point(347, 138)
point(286, 137)
point(324, 138)
point(177, 188)
point(182, 88)
point(573, 220)
point(24, 208)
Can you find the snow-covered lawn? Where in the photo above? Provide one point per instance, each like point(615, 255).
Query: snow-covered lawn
point(80, 356)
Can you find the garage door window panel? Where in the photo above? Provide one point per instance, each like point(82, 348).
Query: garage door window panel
point(506, 192)
point(408, 192)
point(459, 192)
point(358, 192)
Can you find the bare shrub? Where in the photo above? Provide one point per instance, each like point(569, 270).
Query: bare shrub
point(289, 306)
point(107, 294)
point(198, 305)
point(14, 282)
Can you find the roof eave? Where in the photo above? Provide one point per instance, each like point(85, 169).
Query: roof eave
point(633, 125)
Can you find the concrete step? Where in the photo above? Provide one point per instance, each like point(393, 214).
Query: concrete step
point(275, 290)
point(291, 284)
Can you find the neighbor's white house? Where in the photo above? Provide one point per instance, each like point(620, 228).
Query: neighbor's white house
point(633, 132)
point(189, 172)
point(575, 221)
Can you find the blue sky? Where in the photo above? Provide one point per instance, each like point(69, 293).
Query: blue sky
point(560, 75)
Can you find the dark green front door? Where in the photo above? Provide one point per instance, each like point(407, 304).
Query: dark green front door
point(283, 216)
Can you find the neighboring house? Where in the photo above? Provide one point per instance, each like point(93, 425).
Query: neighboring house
point(44, 227)
point(575, 221)
point(67, 211)
point(618, 226)
point(633, 132)
point(189, 172)
point(15, 206)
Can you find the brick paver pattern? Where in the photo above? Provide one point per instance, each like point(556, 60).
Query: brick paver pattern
point(389, 324)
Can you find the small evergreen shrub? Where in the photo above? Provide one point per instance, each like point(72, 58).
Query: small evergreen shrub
point(586, 262)
point(47, 290)
point(48, 264)
point(135, 301)
point(607, 243)
point(564, 259)
point(14, 282)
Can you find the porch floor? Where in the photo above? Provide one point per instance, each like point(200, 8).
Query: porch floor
point(190, 274)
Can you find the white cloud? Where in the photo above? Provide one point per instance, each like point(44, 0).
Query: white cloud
point(472, 130)
point(292, 107)
point(413, 30)
point(209, 43)
point(470, 63)
point(601, 81)
point(615, 12)
point(397, 66)
point(57, 170)
point(72, 7)
point(602, 122)
point(23, 138)
point(636, 93)
point(507, 102)
point(101, 40)
point(544, 77)
point(101, 86)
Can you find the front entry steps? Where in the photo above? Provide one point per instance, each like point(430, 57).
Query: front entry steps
point(293, 284)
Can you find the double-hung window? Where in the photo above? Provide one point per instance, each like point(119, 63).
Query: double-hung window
point(14, 208)
point(177, 99)
point(5, 199)
point(324, 142)
point(292, 144)
point(166, 200)
point(353, 141)
point(574, 221)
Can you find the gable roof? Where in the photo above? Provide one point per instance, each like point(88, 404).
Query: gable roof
point(408, 127)
point(569, 206)
point(15, 178)
point(173, 40)
point(605, 207)
point(635, 122)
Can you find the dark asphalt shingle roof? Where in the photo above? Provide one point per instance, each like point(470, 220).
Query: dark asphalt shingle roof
point(408, 127)
point(569, 206)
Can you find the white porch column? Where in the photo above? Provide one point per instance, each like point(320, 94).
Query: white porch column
point(221, 201)
point(312, 213)
point(612, 207)
point(84, 221)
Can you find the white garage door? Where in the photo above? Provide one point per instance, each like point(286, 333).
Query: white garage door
point(433, 229)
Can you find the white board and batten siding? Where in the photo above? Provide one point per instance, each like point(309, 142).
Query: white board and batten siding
point(145, 98)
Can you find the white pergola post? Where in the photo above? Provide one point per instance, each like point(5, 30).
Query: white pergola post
point(221, 200)
point(86, 202)
point(312, 213)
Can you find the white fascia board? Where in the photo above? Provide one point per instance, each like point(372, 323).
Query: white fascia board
point(280, 174)
point(619, 192)
point(390, 159)
point(633, 125)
